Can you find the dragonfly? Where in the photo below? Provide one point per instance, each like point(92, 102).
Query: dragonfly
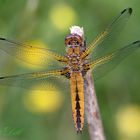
point(99, 57)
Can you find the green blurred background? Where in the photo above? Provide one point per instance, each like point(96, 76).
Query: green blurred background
point(31, 116)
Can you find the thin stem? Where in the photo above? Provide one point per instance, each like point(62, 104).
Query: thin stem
point(92, 110)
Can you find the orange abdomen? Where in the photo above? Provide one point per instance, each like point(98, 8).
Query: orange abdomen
point(77, 96)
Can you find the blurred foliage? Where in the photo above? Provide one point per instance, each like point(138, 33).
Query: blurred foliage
point(48, 22)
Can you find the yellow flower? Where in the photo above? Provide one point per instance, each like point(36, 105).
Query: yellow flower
point(62, 16)
point(45, 100)
point(128, 122)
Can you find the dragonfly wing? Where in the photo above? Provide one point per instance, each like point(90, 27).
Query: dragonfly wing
point(101, 45)
point(23, 52)
point(30, 79)
point(105, 64)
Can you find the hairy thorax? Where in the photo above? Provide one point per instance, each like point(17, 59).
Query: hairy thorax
point(75, 61)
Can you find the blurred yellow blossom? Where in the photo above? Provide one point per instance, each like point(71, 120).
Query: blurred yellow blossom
point(63, 16)
point(32, 56)
point(45, 100)
point(128, 122)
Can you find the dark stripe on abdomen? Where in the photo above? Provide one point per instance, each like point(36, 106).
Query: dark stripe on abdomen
point(78, 114)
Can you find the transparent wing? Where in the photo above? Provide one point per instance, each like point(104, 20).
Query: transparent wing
point(102, 44)
point(30, 79)
point(24, 52)
point(105, 64)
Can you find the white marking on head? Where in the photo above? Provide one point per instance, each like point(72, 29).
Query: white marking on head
point(77, 30)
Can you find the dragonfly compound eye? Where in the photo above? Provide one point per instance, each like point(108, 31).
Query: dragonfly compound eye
point(73, 40)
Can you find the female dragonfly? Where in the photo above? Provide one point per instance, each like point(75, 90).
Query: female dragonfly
point(99, 56)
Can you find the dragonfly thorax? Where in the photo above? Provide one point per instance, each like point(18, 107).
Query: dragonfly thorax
point(75, 62)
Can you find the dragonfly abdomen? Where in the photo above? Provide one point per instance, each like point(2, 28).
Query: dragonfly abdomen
point(77, 95)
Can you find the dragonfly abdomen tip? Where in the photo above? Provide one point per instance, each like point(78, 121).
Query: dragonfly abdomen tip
point(79, 131)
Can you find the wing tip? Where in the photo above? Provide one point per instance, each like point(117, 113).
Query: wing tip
point(136, 42)
point(129, 10)
point(1, 77)
point(1, 38)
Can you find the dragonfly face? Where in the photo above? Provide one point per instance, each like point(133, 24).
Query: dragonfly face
point(74, 40)
point(99, 56)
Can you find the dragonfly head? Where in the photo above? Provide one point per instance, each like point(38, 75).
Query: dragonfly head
point(74, 40)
